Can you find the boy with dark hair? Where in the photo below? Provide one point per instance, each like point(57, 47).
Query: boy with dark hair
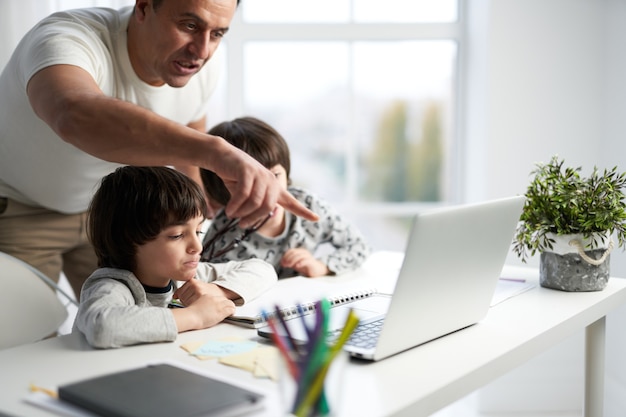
point(145, 225)
point(291, 244)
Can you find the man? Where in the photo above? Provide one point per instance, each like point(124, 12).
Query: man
point(90, 89)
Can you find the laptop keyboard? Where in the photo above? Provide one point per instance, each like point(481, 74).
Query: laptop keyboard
point(364, 335)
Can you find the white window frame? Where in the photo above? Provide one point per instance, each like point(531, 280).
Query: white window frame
point(242, 32)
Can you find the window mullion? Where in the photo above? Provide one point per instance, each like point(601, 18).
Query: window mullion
point(348, 31)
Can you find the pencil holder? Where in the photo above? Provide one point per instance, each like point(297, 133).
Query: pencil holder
point(293, 393)
point(306, 368)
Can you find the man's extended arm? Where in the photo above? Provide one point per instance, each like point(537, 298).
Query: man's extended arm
point(67, 98)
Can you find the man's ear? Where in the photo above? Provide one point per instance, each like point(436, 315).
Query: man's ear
point(140, 9)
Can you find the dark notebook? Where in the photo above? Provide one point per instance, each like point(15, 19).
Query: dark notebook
point(160, 390)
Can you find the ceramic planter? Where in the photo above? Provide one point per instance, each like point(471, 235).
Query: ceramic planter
point(573, 266)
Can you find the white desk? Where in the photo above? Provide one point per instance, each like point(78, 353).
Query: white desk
point(415, 383)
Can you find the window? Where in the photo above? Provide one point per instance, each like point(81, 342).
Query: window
point(76, 4)
point(365, 92)
point(366, 96)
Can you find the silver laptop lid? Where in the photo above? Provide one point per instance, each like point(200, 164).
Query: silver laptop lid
point(453, 259)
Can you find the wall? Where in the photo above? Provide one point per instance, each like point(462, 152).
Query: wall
point(614, 153)
point(547, 77)
point(16, 18)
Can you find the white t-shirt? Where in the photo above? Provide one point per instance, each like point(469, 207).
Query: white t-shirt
point(36, 166)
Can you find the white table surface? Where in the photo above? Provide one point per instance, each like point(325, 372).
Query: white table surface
point(414, 383)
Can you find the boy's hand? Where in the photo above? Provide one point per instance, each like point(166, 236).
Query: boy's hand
point(304, 263)
point(205, 311)
point(191, 290)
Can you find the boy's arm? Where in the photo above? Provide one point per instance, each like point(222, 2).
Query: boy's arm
point(109, 317)
point(350, 246)
point(245, 279)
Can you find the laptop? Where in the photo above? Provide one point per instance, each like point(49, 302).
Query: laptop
point(452, 263)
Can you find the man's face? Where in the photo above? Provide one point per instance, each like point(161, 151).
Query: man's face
point(173, 42)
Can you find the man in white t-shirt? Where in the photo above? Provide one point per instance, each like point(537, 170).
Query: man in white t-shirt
point(88, 90)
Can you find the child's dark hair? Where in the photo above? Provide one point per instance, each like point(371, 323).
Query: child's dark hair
point(257, 139)
point(133, 205)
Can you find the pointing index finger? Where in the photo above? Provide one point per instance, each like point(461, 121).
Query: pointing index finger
point(290, 203)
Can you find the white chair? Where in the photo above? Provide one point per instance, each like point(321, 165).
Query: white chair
point(30, 310)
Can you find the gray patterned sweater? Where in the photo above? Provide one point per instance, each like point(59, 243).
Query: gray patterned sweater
point(332, 239)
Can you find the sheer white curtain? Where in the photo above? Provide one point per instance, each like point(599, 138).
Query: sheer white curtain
point(17, 17)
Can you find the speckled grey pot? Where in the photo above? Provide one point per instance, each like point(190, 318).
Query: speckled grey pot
point(566, 269)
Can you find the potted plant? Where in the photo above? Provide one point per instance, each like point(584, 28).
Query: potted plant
point(570, 221)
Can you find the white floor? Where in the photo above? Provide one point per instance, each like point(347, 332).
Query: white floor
point(466, 407)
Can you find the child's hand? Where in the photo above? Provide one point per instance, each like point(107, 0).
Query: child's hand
point(304, 263)
point(191, 290)
point(205, 311)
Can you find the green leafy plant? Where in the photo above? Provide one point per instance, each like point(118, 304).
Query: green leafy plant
point(560, 201)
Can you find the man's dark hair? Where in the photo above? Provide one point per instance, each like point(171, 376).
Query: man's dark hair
point(133, 205)
point(157, 3)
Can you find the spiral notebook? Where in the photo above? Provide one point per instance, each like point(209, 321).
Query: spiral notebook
point(290, 293)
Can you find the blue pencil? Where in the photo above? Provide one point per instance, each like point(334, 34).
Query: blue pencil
point(290, 338)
